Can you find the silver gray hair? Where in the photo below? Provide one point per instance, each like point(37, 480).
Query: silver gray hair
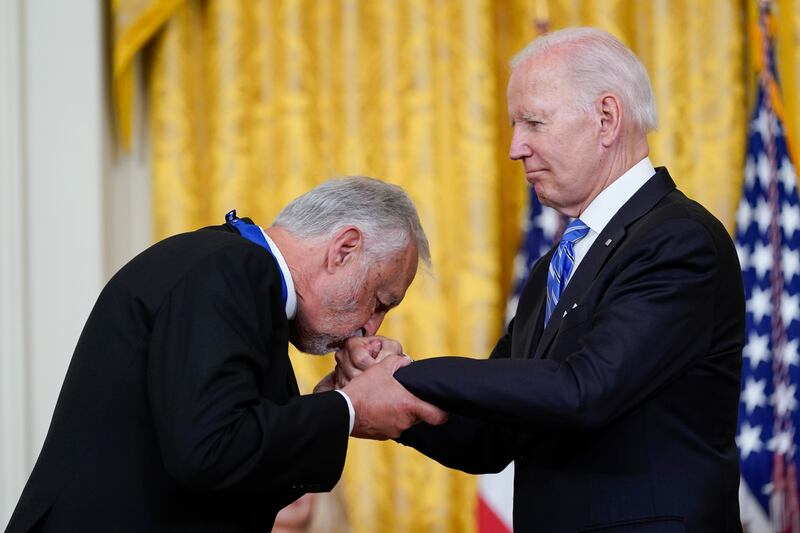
point(383, 212)
point(598, 62)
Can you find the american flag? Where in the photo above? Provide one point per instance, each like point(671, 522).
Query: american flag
point(768, 243)
point(541, 228)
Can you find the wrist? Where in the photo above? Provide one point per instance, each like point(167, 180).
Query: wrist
point(351, 411)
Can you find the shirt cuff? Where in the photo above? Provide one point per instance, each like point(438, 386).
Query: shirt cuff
point(349, 408)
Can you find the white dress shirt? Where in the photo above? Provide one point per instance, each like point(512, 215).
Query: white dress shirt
point(291, 309)
point(291, 294)
point(607, 203)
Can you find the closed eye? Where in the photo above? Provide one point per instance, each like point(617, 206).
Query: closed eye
point(385, 307)
point(528, 122)
point(381, 307)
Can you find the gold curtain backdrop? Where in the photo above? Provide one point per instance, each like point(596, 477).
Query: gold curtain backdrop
point(251, 103)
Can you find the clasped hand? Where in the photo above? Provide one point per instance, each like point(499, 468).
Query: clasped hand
point(360, 353)
point(384, 409)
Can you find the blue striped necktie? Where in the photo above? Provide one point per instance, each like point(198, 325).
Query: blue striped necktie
point(561, 264)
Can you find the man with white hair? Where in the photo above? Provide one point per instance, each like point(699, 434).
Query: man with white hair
point(180, 410)
point(615, 389)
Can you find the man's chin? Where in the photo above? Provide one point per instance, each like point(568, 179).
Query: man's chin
point(312, 348)
point(315, 343)
point(318, 345)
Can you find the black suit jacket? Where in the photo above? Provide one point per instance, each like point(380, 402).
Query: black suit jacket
point(620, 415)
point(180, 410)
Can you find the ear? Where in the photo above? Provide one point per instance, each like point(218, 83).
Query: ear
point(346, 245)
point(610, 115)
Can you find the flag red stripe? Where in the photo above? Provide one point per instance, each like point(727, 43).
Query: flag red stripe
point(488, 521)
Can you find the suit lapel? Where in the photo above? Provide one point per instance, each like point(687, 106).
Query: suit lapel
point(597, 256)
point(530, 310)
point(587, 270)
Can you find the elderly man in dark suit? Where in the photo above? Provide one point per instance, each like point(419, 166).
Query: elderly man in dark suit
point(180, 410)
point(615, 388)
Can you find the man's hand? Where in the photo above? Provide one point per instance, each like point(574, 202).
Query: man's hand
point(295, 517)
point(356, 355)
point(327, 383)
point(359, 353)
point(384, 409)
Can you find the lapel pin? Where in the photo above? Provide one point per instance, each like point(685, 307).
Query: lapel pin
point(565, 314)
point(608, 242)
point(574, 306)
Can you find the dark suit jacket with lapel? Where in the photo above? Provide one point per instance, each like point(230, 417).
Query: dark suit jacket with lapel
point(180, 410)
point(621, 414)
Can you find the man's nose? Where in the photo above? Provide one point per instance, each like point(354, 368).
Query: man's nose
point(372, 325)
point(520, 148)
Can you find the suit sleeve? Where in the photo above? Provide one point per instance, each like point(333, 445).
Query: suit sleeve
point(652, 322)
point(464, 442)
point(213, 345)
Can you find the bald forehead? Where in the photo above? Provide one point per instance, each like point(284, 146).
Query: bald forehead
point(540, 73)
point(553, 61)
point(545, 73)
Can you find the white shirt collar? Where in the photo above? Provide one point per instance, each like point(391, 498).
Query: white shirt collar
point(291, 295)
point(613, 197)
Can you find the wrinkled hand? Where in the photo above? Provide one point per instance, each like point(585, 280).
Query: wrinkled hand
point(356, 355)
point(359, 353)
point(384, 409)
point(327, 383)
point(295, 517)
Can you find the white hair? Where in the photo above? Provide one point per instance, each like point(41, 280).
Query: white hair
point(598, 62)
point(383, 212)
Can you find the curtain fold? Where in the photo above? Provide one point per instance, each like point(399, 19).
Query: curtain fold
point(251, 103)
point(133, 24)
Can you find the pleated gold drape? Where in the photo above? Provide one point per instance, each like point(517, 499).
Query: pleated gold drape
point(252, 102)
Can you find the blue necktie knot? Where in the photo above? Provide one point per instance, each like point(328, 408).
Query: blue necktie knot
point(576, 231)
point(561, 264)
